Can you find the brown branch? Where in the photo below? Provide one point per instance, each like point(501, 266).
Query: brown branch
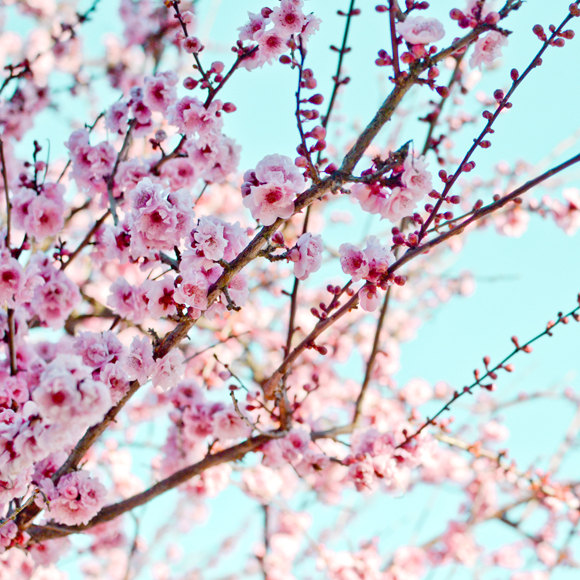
point(372, 358)
point(482, 212)
point(393, 8)
point(110, 512)
point(491, 372)
point(111, 179)
point(439, 108)
point(503, 104)
point(6, 193)
point(271, 385)
point(337, 81)
point(85, 240)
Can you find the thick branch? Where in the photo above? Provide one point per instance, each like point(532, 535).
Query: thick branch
point(108, 513)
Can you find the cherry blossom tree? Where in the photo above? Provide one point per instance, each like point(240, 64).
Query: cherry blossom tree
point(184, 332)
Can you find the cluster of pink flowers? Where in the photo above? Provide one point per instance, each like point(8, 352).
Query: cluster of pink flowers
point(272, 29)
point(75, 499)
point(370, 264)
point(158, 220)
point(398, 202)
point(194, 421)
point(40, 213)
point(41, 289)
point(91, 165)
point(269, 190)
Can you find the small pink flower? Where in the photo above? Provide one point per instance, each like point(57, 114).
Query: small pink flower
point(353, 262)
point(269, 191)
point(257, 22)
point(270, 202)
point(97, 349)
point(288, 17)
point(400, 204)
point(228, 425)
point(370, 298)
point(416, 392)
point(159, 91)
point(372, 197)
point(416, 178)
point(421, 30)
point(140, 363)
point(116, 117)
point(309, 255)
point(271, 44)
point(209, 238)
point(168, 371)
point(192, 118)
point(11, 278)
point(54, 300)
point(192, 291)
point(487, 49)
point(160, 296)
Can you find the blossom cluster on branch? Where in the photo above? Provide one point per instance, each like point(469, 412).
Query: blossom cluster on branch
point(171, 319)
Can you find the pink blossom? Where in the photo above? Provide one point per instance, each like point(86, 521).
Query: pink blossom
point(8, 533)
point(370, 298)
point(362, 474)
point(11, 278)
point(271, 44)
point(421, 30)
point(416, 392)
point(79, 498)
point(90, 165)
point(158, 219)
point(159, 91)
point(115, 377)
point(54, 300)
point(127, 301)
point(40, 214)
point(288, 17)
point(117, 116)
point(379, 258)
point(160, 296)
point(308, 257)
point(192, 291)
point(270, 202)
point(180, 172)
point(168, 371)
point(257, 22)
point(372, 197)
point(227, 424)
point(278, 169)
point(416, 178)
point(262, 483)
point(269, 191)
point(140, 363)
point(193, 119)
point(97, 349)
point(400, 204)
point(353, 262)
point(487, 49)
point(236, 238)
point(209, 238)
